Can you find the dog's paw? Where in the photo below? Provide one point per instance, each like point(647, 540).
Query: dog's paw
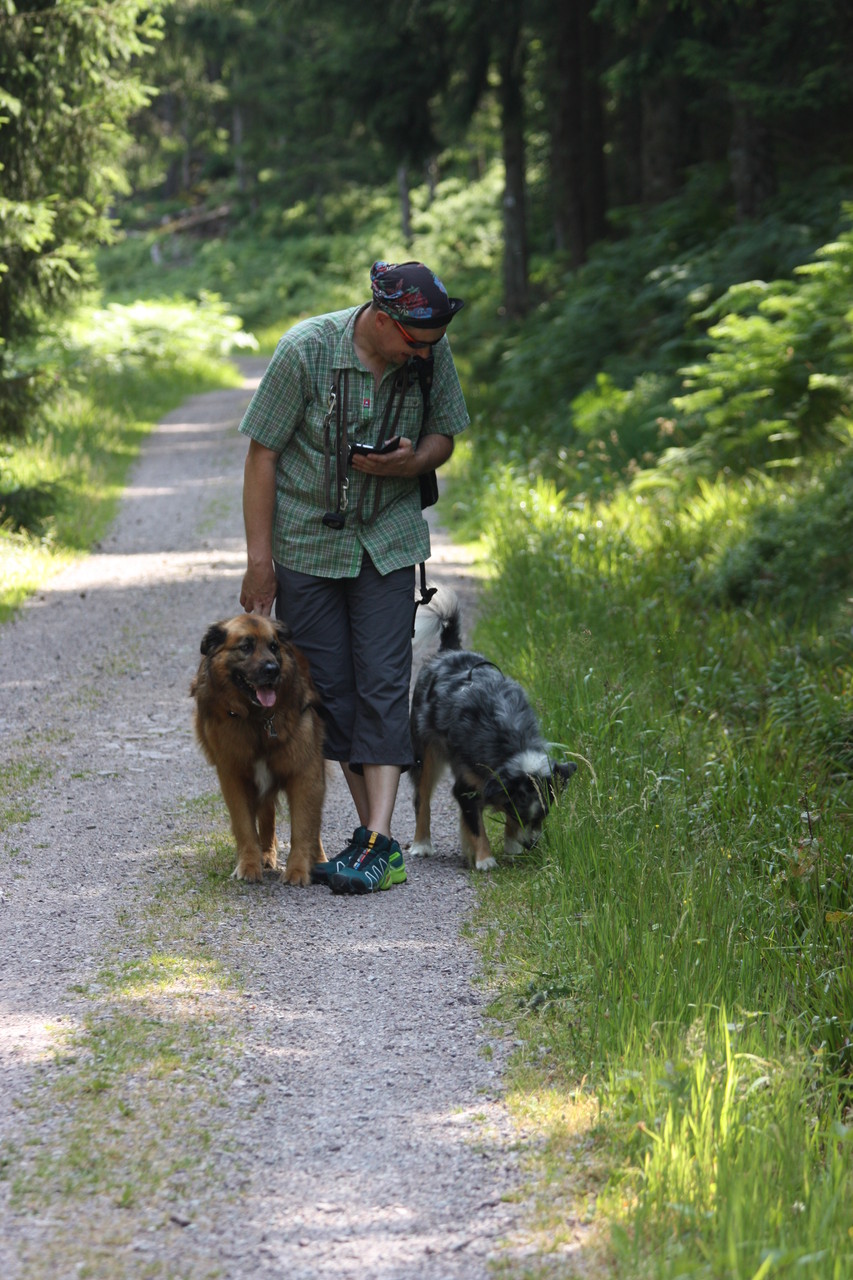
point(488, 864)
point(251, 873)
point(512, 848)
point(420, 849)
point(297, 873)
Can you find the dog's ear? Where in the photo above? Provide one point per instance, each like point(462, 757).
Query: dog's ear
point(495, 790)
point(282, 631)
point(560, 773)
point(214, 638)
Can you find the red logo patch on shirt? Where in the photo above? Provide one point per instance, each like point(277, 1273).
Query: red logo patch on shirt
point(365, 404)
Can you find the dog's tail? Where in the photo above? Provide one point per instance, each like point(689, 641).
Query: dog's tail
point(439, 618)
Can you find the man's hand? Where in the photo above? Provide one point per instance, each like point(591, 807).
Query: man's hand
point(258, 591)
point(407, 461)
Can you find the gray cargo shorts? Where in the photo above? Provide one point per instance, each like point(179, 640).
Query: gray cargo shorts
point(357, 636)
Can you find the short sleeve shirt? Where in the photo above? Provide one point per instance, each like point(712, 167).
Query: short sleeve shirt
point(287, 414)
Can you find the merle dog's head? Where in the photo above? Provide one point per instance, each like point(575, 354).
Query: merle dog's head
point(524, 790)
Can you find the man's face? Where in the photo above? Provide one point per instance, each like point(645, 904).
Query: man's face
point(408, 342)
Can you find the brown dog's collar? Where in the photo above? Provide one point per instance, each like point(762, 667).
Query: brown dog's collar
point(268, 723)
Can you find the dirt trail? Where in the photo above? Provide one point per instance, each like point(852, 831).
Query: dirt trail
point(329, 1100)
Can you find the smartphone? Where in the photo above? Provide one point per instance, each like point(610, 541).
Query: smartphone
point(364, 450)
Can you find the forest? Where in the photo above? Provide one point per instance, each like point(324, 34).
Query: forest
point(648, 207)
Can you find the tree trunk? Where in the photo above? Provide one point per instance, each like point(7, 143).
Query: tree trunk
point(172, 180)
point(431, 176)
point(751, 164)
point(567, 130)
point(186, 154)
point(660, 144)
point(595, 180)
point(405, 203)
point(516, 298)
point(237, 146)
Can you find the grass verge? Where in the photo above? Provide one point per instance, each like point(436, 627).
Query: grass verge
point(680, 949)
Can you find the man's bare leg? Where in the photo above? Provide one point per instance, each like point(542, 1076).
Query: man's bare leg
point(374, 794)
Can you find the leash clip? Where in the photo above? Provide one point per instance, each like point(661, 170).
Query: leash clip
point(333, 399)
point(335, 519)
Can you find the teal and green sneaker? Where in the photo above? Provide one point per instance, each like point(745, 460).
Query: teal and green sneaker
point(377, 866)
point(322, 872)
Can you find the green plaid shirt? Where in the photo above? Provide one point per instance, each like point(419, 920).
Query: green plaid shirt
point(286, 414)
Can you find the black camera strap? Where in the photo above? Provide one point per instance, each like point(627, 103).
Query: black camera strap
point(338, 403)
point(429, 484)
point(398, 393)
point(336, 519)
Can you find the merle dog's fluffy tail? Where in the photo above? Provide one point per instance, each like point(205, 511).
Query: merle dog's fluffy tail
point(439, 618)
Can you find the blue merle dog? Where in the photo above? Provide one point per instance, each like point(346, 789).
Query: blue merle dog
point(470, 718)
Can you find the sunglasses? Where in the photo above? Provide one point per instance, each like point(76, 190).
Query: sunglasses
point(410, 341)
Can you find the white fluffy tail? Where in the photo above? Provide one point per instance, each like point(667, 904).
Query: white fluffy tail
point(438, 620)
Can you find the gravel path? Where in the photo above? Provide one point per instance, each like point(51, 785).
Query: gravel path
point(198, 1077)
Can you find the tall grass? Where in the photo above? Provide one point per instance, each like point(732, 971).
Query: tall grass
point(685, 938)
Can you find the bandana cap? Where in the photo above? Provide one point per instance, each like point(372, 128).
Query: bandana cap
point(410, 293)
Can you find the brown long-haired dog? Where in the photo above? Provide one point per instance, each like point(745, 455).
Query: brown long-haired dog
point(257, 721)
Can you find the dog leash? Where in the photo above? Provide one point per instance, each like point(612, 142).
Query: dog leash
point(427, 594)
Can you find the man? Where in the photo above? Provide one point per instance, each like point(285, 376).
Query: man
point(333, 533)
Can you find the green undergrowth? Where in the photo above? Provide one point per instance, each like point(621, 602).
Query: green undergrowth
point(680, 948)
point(315, 256)
point(123, 369)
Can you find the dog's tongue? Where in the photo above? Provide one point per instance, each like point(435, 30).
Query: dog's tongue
point(266, 697)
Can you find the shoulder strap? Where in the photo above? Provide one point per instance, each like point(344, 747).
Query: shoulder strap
point(338, 400)
point(424, 370)
point(398, 392)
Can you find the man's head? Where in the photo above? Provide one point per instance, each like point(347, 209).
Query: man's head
point(415, 300)
point(410, 310)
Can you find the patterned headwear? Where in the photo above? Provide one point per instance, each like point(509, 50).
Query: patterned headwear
point(410, 293)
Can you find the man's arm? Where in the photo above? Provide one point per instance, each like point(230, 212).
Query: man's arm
point(259, 585)
point(433, 450)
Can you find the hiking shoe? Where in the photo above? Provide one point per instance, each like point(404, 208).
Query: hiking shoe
point(377, 866)
point(321, 872)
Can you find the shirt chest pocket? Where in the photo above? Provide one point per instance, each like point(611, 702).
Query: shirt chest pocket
point(404, 419)
point(365, 412)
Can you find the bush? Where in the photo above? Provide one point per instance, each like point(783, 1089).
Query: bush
point(797, 553)
point(28, 506)
point(778, 380)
